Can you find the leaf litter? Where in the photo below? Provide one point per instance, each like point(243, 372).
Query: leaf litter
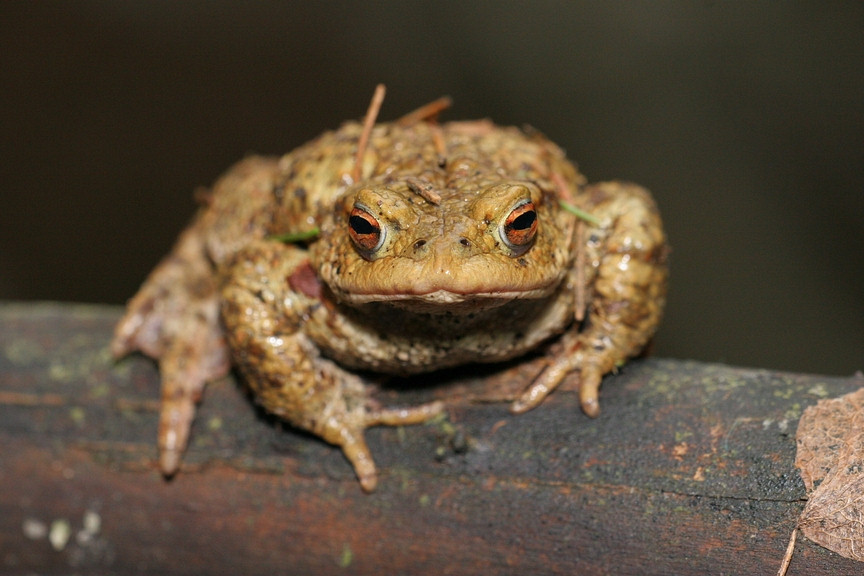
point(830, 456)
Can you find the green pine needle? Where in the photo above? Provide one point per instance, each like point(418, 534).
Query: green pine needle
point(294, 237)
point(579, 213)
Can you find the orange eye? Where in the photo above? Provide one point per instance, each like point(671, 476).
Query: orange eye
point(520, 226)
point(365, 230)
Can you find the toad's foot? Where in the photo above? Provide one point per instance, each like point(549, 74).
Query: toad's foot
point(352, 438)
point(590, 376)
point(174, 319)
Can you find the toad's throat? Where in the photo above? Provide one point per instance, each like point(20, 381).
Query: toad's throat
point(463, 324)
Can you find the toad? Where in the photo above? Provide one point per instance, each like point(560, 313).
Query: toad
point(397, 248)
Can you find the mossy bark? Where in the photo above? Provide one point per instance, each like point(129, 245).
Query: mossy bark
point(688, 470)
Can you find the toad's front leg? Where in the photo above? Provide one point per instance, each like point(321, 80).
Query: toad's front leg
point(627, 271)
point(268, 297)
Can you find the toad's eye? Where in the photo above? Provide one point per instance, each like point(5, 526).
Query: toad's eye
point(520, 227)
point(365, 230)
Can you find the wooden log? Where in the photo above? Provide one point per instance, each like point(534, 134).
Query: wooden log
point(688, 470)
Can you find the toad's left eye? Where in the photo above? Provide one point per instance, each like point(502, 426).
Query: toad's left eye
point(520, 227)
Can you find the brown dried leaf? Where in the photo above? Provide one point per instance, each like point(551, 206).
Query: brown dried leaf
point(831, 458)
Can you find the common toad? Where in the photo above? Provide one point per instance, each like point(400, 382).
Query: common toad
point(411, 246)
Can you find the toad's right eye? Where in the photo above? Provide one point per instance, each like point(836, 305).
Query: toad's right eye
point(365, 230)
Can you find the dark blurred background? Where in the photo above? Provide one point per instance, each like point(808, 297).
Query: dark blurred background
point(746, 120)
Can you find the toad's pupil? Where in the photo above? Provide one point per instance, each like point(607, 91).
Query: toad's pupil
point(362, 226)
point(523, 222)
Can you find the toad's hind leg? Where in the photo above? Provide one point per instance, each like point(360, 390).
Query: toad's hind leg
point(267, 299)
point(174, 318)
point(626, 260)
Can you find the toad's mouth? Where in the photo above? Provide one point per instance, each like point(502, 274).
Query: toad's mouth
point(443, 288)
point(440, 299)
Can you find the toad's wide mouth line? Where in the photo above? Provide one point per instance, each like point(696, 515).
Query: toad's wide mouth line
point(483, 299)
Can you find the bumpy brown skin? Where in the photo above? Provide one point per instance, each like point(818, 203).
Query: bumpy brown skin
point(444, 286)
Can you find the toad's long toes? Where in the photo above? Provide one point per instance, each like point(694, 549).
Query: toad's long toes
point(589, 392)
point(354, 447)
point(175, 422)
point(550, 378)
point(353, 443)
point(542, 386)
point(404, 416)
